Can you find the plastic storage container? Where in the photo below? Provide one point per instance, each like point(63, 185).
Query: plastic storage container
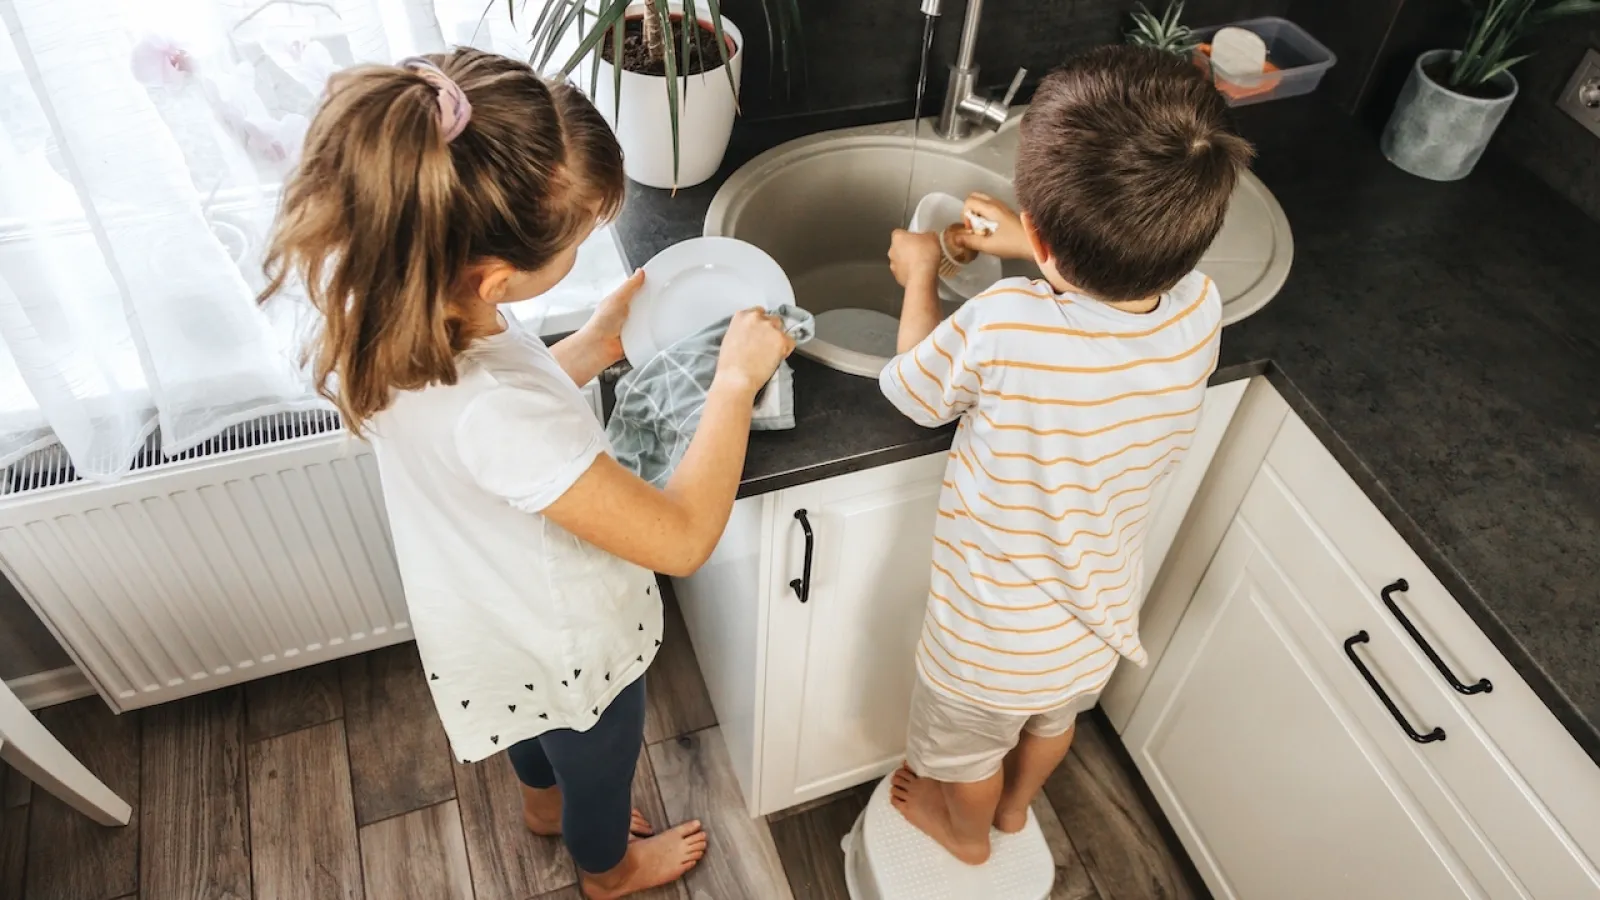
point(1295, 62)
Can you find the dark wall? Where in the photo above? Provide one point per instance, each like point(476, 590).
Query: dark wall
point(865, 52)
point(1378, 41)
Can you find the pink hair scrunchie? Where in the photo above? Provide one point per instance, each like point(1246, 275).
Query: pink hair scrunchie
point(455, 111)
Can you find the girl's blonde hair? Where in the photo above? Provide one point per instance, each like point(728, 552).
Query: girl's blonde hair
point(384, 214)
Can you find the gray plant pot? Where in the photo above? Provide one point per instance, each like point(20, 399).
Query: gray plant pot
point(1436, 133)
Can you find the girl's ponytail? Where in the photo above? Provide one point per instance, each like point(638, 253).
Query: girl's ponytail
point(411, 173)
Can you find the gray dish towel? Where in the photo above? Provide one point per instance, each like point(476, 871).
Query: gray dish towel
point(659, 404)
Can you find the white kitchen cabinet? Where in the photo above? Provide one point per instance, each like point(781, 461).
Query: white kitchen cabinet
point(1275, 789)
point(1274, 731)
point(813, 696)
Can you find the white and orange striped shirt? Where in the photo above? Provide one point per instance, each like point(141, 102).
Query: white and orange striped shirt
point(1071, 411)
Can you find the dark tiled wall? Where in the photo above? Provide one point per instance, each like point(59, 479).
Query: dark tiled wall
point(865, 52)
point(1543, 138)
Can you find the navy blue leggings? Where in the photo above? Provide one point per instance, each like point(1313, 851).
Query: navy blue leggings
point(595, 771)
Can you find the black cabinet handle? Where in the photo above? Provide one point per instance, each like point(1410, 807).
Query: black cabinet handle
point(1361, 637)
point(802, 585)
point(1481, 686)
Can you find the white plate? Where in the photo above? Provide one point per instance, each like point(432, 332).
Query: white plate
point(691, 285)
point(935, 213)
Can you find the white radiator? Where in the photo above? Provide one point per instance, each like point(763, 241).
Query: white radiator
point(266, 549)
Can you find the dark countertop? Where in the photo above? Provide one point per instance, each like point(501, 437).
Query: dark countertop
point(1441, 339)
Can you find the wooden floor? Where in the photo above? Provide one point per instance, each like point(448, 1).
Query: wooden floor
point(336, 782)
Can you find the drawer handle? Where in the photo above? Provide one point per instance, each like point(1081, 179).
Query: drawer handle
point(1361, 637)
point(802, 585)
point(1481, 686)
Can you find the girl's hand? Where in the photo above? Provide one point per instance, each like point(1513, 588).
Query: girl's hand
point(605, 325)
point(914, 258)
point(1009, 240)
point(751, 350)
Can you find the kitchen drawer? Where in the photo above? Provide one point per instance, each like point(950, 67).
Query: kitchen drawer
point(1528, 792)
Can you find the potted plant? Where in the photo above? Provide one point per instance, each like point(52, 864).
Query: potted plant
point(1165, 32)
point(665, 73)
point(1454, 100)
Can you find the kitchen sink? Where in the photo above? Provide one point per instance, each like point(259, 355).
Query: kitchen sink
point(823, 207)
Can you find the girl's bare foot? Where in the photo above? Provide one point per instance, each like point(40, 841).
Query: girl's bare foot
point(650, 862)
point(541, 812)
point(922, 803)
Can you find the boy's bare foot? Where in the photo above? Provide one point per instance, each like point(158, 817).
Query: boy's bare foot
point(1010, 821)
point(541, 812)
point(650, 862)
point(921, 801)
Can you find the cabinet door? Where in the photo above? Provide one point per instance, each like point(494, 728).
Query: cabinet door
point(1175, 492)
point(839, 667)
point(1275, 788)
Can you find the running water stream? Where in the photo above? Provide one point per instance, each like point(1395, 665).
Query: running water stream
point(929, 20)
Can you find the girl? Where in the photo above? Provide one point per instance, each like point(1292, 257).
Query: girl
point(428, 194)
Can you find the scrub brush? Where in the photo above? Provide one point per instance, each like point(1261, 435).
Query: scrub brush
point(952, 256)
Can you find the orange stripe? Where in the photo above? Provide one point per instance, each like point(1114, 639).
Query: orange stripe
point(961, 455)
point(1092, 433)
point(929, 633)
point(923, 672)
point(1122, 540)
point(1101, 370)
point(1024, 531)
point(997, 628)
point(1072, 332)
point(1023, 507)
point(1000, 690)
point(950, 575)
point(1050, 401)
point(899, 371)
point(1089, 580)
point(947, 630)
point(1084, 463)
point(933, 340)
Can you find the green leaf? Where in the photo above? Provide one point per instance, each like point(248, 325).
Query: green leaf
point(1502, 66)
point(670, 60)
point(715, 8)
point(1564, 8)
point(561, 28)
point(609, 15)
point(688, 26)
point(542, 25)
point(619, 34)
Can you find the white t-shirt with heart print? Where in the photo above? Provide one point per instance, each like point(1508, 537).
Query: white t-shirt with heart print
point(522, 627)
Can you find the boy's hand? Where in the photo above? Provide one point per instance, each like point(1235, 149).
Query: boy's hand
point(914, 258)
point(1009, 241)
point(605, 323)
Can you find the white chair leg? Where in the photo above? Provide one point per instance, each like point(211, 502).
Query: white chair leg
point(35, 752)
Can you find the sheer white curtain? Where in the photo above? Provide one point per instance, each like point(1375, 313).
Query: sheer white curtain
point(142, 143)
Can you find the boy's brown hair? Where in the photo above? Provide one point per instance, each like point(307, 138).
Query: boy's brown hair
point(387, 211)
point(1126, 166)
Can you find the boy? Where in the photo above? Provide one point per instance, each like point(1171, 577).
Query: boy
point(1076, 394)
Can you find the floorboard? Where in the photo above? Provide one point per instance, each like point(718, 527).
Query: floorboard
point(13, 851)
point(421, 855)
point(697, 782)
point(69, 856)
point(676, 701)
point(1072, 876)
point(508, 861)
point(808, 844)
point(302, 817)
point(1100, 806)
point(399, 756)
point(193, 807)
point(291, 701)
point(647, 798)
point(15, 789)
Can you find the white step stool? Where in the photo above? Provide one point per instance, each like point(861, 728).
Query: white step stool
point(887, 858)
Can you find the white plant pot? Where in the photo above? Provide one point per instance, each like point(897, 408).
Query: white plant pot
point(706, 109)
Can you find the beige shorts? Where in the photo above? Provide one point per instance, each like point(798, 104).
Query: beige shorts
point(955, 741)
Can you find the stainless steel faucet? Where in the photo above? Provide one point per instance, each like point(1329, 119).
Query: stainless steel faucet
point(963, 108)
